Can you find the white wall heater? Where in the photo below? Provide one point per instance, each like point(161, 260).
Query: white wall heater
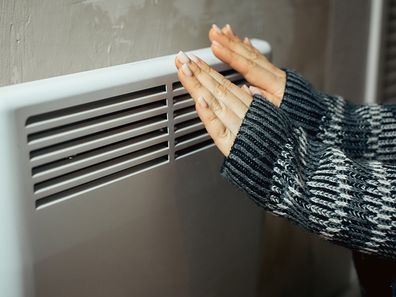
point(110, 187)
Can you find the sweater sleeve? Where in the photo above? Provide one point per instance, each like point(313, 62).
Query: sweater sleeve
point(361, 131)
point(290, 172)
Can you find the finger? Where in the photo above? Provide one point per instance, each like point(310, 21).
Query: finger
point(252, 72)
point(250, 45)
point(181, 58)
point(242, 49)
point(178, 63)
point(227, 30)
point(246, 89)
point(222, 137)
point(247, 42)
point(270, 97)
point(190, 82)
point(253, 52)
point(245, 98)
point(220, 90)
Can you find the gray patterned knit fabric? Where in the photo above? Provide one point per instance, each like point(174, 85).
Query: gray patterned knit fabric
point(323, 163)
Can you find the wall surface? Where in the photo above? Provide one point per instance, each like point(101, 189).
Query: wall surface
point(45, 38)
point(346, 57)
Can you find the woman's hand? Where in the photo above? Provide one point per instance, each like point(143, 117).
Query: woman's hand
point(220, 104)
point(265, 78)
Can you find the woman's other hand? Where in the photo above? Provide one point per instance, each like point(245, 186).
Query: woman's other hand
point(265, 78)
point(220, 104)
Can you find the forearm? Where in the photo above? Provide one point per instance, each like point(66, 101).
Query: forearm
point(362, 131)
point(317, 186)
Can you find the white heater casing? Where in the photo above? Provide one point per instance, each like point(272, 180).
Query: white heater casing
point(111, 187)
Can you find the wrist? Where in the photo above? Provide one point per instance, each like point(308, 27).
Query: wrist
point(303, 104)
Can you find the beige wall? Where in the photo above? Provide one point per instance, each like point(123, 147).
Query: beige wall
point(44, 38)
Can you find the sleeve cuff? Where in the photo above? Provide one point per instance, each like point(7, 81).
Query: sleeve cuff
point(261, 138)
point(304, 105)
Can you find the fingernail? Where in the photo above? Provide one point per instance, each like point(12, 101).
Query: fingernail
point(202, 102)
point(193, 57)
point(246, 88)
point(216, 28)
point(182, 57)
point(186, 70)
point(216, 43)
point(230, 29)
point(247, 41)
point(254, 90)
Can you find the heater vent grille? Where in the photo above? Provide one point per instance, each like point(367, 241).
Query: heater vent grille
point(76, 148)
point(80, 147)
point(80, 138)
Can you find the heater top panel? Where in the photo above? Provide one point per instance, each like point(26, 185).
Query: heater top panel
point(105, 81)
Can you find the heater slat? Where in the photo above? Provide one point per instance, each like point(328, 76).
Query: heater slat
point(189, 129)
point(182, 101)
point(192, 141)
point(180, 91)
point(193, 149)
point(188, 115)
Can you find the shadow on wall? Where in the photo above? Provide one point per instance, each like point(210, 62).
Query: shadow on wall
point(295, 261)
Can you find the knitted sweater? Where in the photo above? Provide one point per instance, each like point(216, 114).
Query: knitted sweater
point(323, 163)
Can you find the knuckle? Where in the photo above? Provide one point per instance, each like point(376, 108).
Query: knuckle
point(196, 84)
point(216, 107)
point(220, 91)
point(233, 57)
point(223, 133)
point(232, 43)
point(250, 66)
point(227, 84)
point(207, 68)
point(210, 119)
point(255, 55)
point(196, 70)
